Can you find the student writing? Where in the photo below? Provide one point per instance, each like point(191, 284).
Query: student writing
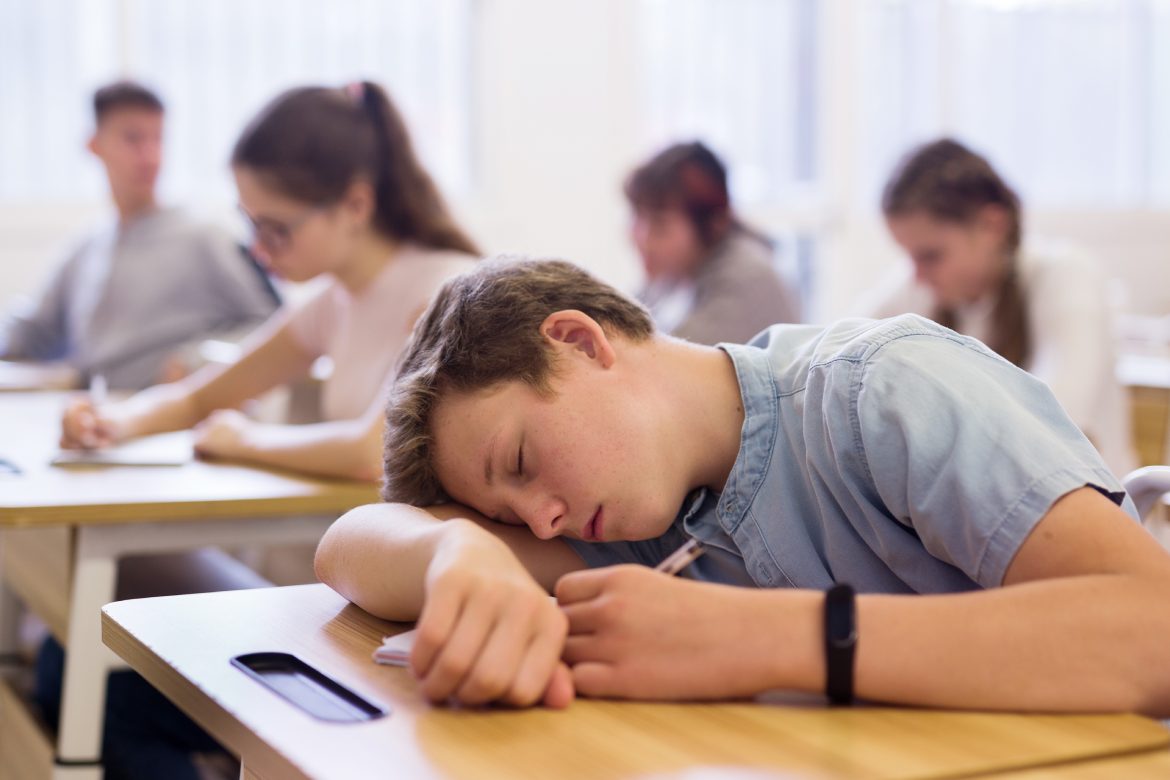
point(330, 182)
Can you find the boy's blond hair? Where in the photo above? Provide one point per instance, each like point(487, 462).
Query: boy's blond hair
point(482, 329)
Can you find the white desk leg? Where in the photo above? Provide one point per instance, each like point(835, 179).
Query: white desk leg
point(87, 660)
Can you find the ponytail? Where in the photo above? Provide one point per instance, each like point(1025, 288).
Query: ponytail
point(311, 143)
point(949, 182)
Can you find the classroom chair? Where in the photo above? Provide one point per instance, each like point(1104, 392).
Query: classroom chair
point(1146, 486)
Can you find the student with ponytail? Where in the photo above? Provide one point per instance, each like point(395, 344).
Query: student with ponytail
point(331, 185)
point(1043, 308)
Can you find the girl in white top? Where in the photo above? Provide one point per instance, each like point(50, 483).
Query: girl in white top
point(1044, 309)
point(331, 186)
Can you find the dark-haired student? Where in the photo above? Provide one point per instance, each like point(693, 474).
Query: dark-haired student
point(709, 276)
point(1041, 305)
point(133, 300)
point(331, 184)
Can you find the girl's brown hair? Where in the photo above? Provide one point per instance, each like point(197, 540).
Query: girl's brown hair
point(310, 143)
point(951, 183)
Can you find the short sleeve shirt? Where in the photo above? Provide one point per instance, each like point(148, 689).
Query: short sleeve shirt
point(895, 455)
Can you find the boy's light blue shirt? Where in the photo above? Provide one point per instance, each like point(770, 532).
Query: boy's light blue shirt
point(895, 455)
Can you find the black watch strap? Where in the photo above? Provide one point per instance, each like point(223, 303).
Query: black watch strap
point(840, 643)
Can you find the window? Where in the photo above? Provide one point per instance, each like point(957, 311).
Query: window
point(1067, 97)
point(739, 75)
point(52, 55)
point(215, 63)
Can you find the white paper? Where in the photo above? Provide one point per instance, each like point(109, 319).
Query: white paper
point(163, 449)
point(395, 650)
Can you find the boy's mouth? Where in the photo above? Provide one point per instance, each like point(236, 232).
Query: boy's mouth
point(593, 527)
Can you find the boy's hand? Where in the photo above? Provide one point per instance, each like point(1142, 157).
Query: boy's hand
point(639, 634)
point(83, 426)
point(488, 632)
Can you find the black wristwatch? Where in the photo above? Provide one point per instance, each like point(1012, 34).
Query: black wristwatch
point(840, 643)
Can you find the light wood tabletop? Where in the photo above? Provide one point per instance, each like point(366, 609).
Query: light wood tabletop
point(46, 495)
point(64, 528)
point(24, 377)
point(184, 644)
point(1149, 765)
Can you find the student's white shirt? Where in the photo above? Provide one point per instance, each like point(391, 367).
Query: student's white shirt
point(1072, 339)
point(364, 334)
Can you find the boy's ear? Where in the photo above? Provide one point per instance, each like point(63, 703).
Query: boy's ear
point(579, 332)
point(92, 145)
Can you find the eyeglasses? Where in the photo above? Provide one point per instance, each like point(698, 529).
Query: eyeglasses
point(273, 234)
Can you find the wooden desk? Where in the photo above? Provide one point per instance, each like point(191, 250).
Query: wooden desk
point(1150, 765)
point(183, 645)
point(25, 377)
point(62, 531)
point(1148, 378)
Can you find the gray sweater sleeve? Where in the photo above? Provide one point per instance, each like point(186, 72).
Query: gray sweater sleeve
point(38, 329)
point(737, 295)
point(246, 298)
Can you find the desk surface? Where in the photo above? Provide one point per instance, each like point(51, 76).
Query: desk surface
point(24, 377)
point(1135, 369)
point(183, 644)
point(45, 495)
point(1151, 765)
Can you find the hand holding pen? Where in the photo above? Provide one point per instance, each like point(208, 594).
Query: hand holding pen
point(634, 633)
point(83, 426)
point(681, 558)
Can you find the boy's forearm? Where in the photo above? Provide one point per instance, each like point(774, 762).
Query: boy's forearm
point(1090, 643)
point(377, 556)
point(1094, 643)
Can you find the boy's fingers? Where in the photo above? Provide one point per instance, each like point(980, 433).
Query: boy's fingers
point(457, 656)
point(561, 691)
point(596, 679)
point(581, 585)
point(536, 671)
point(435, 623)
point(584, 649)
point(495, 667)
point(584, 617)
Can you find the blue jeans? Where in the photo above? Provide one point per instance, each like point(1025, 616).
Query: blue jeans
point(145, 736)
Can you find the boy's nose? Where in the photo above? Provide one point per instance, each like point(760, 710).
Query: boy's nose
point(545, 515)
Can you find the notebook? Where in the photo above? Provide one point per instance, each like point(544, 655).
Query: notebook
point(37, 376)
point(163, 449)
point(395, 650)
